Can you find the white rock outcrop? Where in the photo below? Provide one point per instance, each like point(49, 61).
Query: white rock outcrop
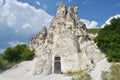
point(66, 42)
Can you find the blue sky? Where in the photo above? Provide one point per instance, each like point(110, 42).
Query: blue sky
point(98, 10)
point(20, 20)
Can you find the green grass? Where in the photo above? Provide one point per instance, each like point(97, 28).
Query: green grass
point(73, 73)
point(83, 76)
point(3, 62)
point(79, 75)
point(94, 30)
point(114, 74)
point(106, 75)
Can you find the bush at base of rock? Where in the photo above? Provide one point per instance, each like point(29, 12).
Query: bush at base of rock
point(3, 62)
point(13, 55)
point(108, 40)
point(18, 53)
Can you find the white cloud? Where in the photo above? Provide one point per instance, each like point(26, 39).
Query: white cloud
point(17, 14)
point(90, 24)
point(20, 21)
point(108, 21)
point(27, 25)
point(38, 3)
point(14, 43)
point(1, 2)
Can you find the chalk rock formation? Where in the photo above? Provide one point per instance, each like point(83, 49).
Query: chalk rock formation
point(66, 46)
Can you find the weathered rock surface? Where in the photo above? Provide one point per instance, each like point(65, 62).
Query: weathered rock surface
point(67, 39)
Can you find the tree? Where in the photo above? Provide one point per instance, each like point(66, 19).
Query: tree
point(12, 54)
point(3, 62)
point(108, 40)
point(18, 53)
point(27, 54)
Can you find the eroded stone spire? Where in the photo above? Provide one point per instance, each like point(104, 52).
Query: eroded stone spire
point(67, 39)
point(61, 10)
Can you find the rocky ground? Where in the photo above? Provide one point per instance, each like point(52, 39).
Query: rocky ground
point(67, 39)
point(38, 77)
point(23, 71)
point(102, 65)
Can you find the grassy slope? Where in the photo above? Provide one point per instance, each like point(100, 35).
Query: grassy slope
point(114, 74)
point(94, 30)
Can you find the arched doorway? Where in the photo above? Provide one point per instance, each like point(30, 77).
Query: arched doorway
point(57, 65)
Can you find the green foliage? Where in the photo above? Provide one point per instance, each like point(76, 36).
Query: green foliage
point(82, 76)
point(105, 75)
point(18, 53)
point(3, 62)
point(94, 31)
point(114, 74)
point(108, 40)
point(85, 76)
point(13, 55)
point(27, 54)
point(70, 73)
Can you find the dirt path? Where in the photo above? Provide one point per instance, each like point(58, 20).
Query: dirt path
point(23, 71)
point(103, 65)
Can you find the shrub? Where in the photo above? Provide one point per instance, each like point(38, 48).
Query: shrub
point(27, 54)
point(115, 72)
point(82, 76)
point(94, 31)
point(12, 55)
point(18, 53)
point(105, 75)
point(108, 40)
point(3, 62)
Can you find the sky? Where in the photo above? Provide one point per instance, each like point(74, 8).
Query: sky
point(20, 20)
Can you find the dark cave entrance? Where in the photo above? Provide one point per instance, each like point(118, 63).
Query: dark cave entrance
point(57, 65)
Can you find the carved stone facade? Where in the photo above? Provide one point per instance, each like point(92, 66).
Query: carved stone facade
point(66, 47)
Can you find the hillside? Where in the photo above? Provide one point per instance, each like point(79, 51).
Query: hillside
point(93, 30)
point(66, 48)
